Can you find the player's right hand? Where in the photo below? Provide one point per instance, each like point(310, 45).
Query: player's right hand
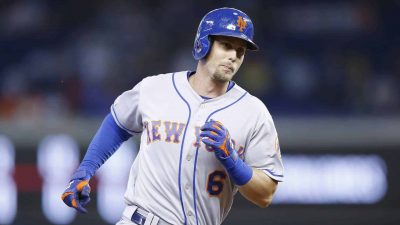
point(77, 195)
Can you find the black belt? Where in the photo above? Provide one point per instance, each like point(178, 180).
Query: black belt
point(140, 215)
point(138, 218)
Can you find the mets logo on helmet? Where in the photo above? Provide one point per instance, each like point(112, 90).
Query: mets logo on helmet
point(241, 23)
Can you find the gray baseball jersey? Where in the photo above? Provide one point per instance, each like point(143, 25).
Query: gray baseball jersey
point(174, 175)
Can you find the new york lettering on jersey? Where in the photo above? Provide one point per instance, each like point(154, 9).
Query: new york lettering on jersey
point(168, 131)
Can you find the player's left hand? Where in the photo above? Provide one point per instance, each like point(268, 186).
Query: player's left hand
point(77, 194)
point(216, 136)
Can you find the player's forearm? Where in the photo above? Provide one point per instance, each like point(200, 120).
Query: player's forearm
point(106, 141)
point(260, 189)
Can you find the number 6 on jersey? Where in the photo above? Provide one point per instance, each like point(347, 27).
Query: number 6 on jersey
point(215, 183)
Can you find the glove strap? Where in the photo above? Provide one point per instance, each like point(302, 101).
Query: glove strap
point(80, 175)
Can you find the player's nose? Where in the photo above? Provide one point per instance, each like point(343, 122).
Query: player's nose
point(232, 55)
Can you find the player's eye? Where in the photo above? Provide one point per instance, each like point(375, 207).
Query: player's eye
point(240, 52)
point(226, 45)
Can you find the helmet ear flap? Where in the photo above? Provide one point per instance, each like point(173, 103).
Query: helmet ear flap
point(197, 46)
point(201, 47)
point(210, 40)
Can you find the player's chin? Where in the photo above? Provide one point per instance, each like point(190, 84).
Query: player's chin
point(224, 76)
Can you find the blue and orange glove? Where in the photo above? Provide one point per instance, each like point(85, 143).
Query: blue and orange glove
point(216, 136)
point(77, 194)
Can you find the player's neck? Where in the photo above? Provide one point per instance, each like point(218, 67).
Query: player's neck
point(204, 85)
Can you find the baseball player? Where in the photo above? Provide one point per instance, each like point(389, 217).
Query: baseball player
point(203, 137)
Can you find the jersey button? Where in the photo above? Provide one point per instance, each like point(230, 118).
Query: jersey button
point(187, 186)
point(188, 157)
point(190, 213)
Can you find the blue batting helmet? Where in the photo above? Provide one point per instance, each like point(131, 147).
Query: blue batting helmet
point(223, 22)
